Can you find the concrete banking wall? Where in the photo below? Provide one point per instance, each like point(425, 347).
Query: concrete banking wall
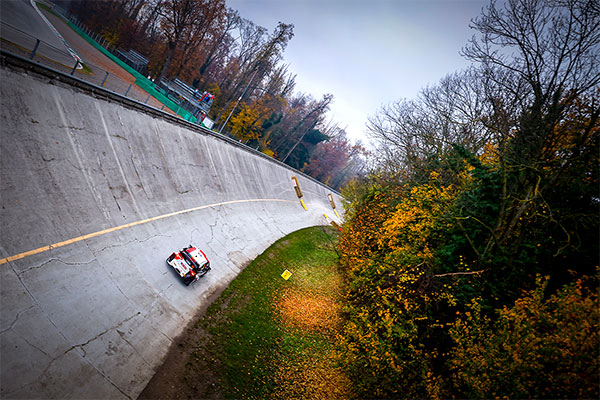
point(93, 316)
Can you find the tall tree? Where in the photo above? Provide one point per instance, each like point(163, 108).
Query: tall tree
point(313, 114)
point(331, 160)
point(544, 56)
point(231, 21)
point(454, 111)
point(246, 125)
point(255, 66)
point(178, 18)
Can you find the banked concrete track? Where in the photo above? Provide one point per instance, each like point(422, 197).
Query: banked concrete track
point(103, 190)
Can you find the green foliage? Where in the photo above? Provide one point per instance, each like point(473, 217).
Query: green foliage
point(387, 249)
point(419, 252)
point(299, 157)
point(538, 348)
point(315, 136)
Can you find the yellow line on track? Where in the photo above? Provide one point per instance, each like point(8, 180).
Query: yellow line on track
point(129, 225)
point(303, 205)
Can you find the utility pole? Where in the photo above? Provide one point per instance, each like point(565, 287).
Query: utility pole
point(294, 146)
point(239, 99)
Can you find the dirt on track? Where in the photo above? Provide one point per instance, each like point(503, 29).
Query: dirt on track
point(119, 79)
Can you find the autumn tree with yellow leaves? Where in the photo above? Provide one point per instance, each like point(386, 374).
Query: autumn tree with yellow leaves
point(246, 124)
point(471, 252)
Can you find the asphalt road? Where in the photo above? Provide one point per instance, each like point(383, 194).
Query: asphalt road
point(118, 81)
point(95, 196)
point(25, 24)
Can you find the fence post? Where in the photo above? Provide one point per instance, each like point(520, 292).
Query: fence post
point(75, 67)
point(37, 43)
point(128, 89)
point(105, 77)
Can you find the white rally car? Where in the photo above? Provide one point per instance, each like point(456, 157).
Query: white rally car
point(190, 263)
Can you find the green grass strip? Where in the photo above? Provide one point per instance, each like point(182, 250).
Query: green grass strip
point(248, 343)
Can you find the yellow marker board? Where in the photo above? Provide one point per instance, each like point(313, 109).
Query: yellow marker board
point(286, 274)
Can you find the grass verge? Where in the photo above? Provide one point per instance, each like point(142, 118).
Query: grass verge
point(266, 337)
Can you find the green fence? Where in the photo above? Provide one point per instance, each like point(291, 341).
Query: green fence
point(140, 80)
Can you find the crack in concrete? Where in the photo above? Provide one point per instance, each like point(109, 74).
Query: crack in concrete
point(137, 173)
point(159, 295)
point(109, 380)
point(152, 237)
point(83, 353)
point(118, 287)
point(122, 334)
point(98, 336)
point(16, 319)
point(136, 240)
point(86, 361)
point(117, 202)
point(269, 223)
point(169, 338)
point(70, 127)
point(35, 347)
point(157, 298)
point(112, 246)
point(37, 304)
point(192, 234)
point(109, 275)
point(55, 259)
point(120, 165)
point(212, 233)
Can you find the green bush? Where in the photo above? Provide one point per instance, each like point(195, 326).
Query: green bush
point(536, 349)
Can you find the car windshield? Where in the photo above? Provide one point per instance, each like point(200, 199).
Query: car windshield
point(190, 261)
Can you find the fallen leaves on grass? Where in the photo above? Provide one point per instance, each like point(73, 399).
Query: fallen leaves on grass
point(307, 310)
point(311, 376)
point(310, 313)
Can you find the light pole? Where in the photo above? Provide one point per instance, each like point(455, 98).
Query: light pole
point(238, 100)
